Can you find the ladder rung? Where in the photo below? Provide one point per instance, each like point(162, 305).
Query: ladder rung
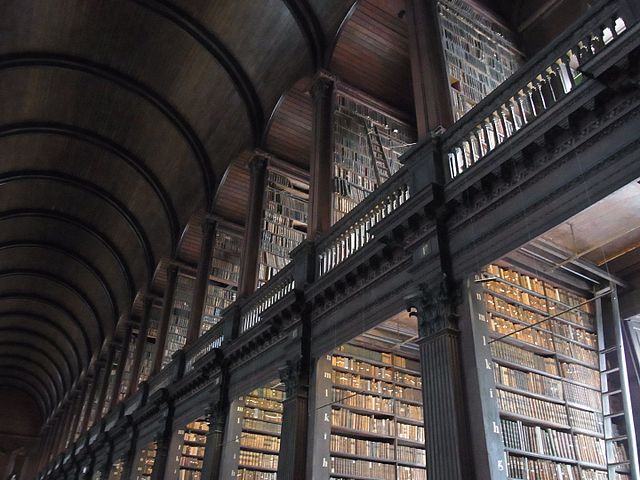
point(613, 415)
point(611, 370)
point(612, 392)
point(608, 350)
point(617, 438)
point(618, 464)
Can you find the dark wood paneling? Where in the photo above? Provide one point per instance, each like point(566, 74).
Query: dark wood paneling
point(372, 53)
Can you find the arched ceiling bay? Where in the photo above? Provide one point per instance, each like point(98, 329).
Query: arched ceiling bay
point(119, 120)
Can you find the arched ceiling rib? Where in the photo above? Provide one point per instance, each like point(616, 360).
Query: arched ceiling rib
point(119, 121)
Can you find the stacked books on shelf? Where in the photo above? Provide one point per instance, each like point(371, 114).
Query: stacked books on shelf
point(191, 450)
point(180, 313)
point(126, 374)
point(359, 131)
point(146, 461)
point(377, 424)
point(284, 224)
point(260, 438)
point(223, 280)
point(478, 52)
point(116, 470)
point(544, 346)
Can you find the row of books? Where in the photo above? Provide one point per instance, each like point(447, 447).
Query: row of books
point(414, 433)
point(226, 244)
point(380, 357)
point(532, 407)
point(524, 358)
point(193, 451)
point(359, 178)
point(263, 403)
point(255, 440)
point(191, 462)
point(591, 449)
point(560, 295)
point(364, 423)
point(353, 191)
point(225, 269)
point(536, 439)
point(581, 374)
point(383, 373)
point(244, 474)
point(263, 415)
point(146, 461)
point(528, 381)
point(258, 460)
point(364, 448)
point(185, 474)
point(361, 468)
point(262, 426)
point(529, 468)
point(522, 296)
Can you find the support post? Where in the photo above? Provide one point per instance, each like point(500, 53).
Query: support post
point(82, 398)
point(428, 68)
point(217, 415)
point(169, 292)
point(295, 420)
point(104, 382)
point(202, 280)
point(122, 360)
point(163, 443)
point(90, 399)
point(323, 95)
point(249, 260)
point(442, 389)
point(141, 341)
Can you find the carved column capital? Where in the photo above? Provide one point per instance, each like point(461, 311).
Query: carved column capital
point(435, 307)
point(259, 161)
point(291, 375)
point(322, 84)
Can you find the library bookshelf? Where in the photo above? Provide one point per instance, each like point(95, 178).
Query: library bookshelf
point(479, 53)
point(180, 313)
point(284, 221)
point(145, 461)
point(223, 279)
point(373, 401)
point(367, 146)
point(191, 449)
point(255, 425)
point(546, 379)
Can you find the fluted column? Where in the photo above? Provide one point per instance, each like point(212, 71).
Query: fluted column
point(253, 227)
point(428, 68)
point(442, 389)
point(122, 361)
point(104, 382)
point(141, 341)
point(163, 443)
point(295, 421)
point(217, 416)
point(323, 95)
point(202, 280)
point(169, 292)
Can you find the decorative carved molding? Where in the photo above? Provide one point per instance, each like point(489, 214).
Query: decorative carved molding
point(291, 375)
point(435, 307)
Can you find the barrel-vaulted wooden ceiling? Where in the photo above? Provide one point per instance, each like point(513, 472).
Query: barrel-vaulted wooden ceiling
point(121, 121)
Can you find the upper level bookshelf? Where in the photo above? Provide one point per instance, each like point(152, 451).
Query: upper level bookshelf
point(284, 221)
point(544, 343)
point(190, 445)
point(145, 462)
point(367, 144)
point(180, 314)
point(223, 279)
point(480, 53)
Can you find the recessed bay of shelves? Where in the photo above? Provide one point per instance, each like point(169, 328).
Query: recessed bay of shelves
point(145, 462)
point(367, 145)
point(544, 345)
point(191, 449)
point(180, 314)
point(479, 53)
point(284, 225)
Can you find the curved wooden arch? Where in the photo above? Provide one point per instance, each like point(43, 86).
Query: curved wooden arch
point(41, 337)
point(21, 361)
point(114, 203)
point(311, 30)
point(219, 51)
point(82, 225)
point(7, 315)
point(54, 305)
point(28, 357)
point(21, 384)
point(130, 84)
point(54, 279)
point(97, 140)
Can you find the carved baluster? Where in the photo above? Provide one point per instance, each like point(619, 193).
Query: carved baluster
point(597, 43)
point(536, 98)
point(555, 81)
point(524, 107)
point(545, 91)
point(570, 62)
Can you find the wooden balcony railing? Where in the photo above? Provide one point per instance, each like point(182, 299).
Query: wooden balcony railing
point(267, 295)
point(213, 338)
point(353, 231)
point(545, 80)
